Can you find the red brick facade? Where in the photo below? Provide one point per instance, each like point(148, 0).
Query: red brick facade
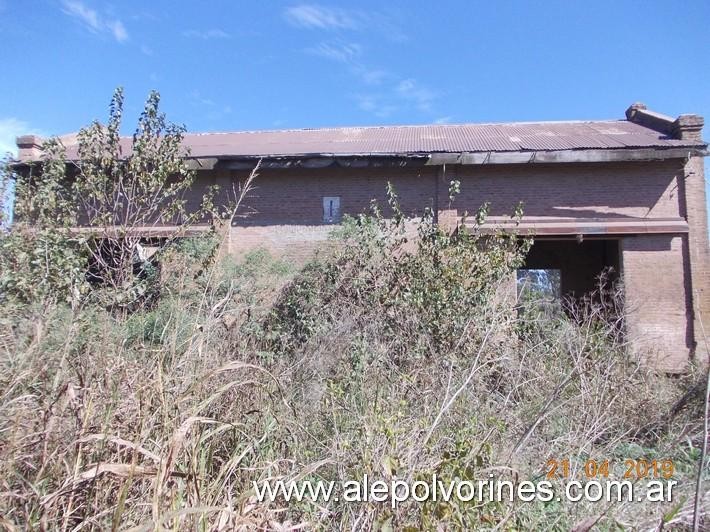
point(657, 301)
point(665, 275)
point(625, 194)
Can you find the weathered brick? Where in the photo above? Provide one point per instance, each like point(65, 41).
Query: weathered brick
point(666, 276)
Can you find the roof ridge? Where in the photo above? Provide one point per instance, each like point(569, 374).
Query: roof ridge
point(405, 126)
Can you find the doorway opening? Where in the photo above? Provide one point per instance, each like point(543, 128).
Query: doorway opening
point(559, 269)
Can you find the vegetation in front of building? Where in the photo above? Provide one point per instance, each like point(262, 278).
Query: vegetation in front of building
point(402, 352)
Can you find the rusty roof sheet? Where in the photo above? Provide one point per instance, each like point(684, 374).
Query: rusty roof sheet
point(405, 140)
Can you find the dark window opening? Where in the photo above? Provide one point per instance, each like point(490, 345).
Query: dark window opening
point(571, 274)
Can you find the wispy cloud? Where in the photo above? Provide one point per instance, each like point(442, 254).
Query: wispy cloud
point(93, 21)
point(313, 16)
point(206, 35)
point(349, 54)
point(198, 98)
point(384, 23)
point(119, 31)
point(393, 92)
point(209, 108)
point(388, 92)
point(370, 76)
point(144, 15)
point(420, 96)
point(404, 96)
point(443, 120)
point(343, 53)
point(375, 105)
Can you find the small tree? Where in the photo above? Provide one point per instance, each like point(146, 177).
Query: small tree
point(94, 204)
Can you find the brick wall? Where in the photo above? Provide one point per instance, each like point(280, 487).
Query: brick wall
point(644, 190)
point(295, 242)
point(284, 215)
point(285, 209)
point(656, 300)
point(698, 254)
point(294, 196)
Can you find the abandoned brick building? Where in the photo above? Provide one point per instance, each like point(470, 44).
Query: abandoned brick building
point(627, 194)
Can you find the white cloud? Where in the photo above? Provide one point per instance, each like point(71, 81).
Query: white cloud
point(93, 21)
point(319, 17)
point(83, 13)
point(118, 30)
point(410, 90)
point(343, 53)
point(395, 93)
point(443, 120)
point(349, 54)
point(371, 76)
point(198, 98)
point(385, 23)
point(10, 129)
point(207, 34)
point(375, 105)
point(403, 96)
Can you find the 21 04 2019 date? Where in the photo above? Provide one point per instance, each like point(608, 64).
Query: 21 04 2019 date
point(630, 469)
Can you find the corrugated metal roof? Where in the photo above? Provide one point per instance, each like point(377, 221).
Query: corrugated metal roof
point(513, 137)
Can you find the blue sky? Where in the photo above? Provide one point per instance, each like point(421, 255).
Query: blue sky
point(235, 65)
point(231, 65)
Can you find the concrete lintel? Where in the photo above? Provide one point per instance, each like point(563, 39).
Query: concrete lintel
point(617, 155)
point(578, 156)
point(608, 227)
point(154, 231)
point(438, 159)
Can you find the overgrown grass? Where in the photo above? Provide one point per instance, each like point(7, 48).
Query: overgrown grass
point(383, 358)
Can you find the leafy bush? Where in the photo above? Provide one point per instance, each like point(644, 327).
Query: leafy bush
point(427, 282)
point(168, 415)
point(90, 211)
point(42, 264)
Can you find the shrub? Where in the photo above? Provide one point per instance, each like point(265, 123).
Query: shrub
point(400, 355)
point(425, 281)
point(112, 194)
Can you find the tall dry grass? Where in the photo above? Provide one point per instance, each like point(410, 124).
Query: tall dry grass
point(248, 371)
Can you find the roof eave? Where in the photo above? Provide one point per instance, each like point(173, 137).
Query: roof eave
point(323, 160)
point(313, 160)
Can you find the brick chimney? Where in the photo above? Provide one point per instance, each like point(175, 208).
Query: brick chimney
point(685, 127)
point(29, 147)
point(640, 114)
point(688, 127)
